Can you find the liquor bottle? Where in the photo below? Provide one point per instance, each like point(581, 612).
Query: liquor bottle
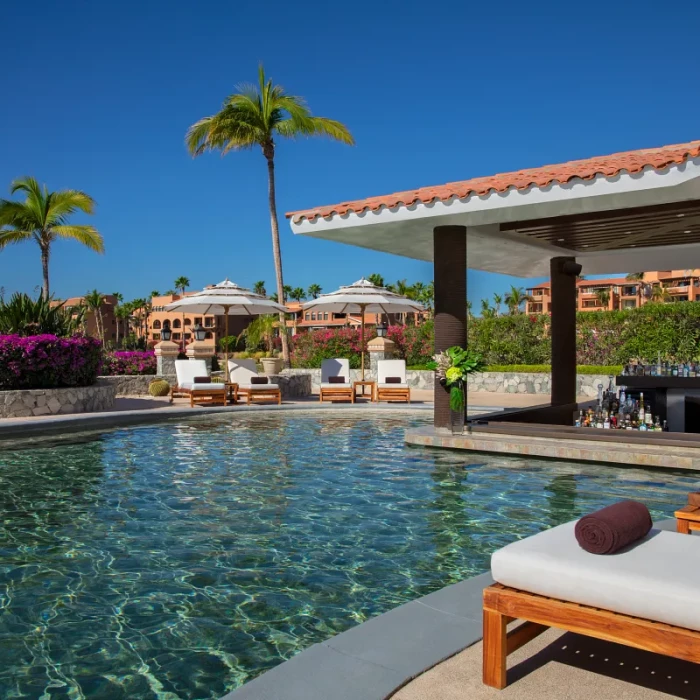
point(579, 420)
point(640, 413)
point(674, 370)
point(648, 418)
point(686, 370)
point(606, 420)
point(657, 424)
point(692, 372)
point(623, 396)
point(643, 427)
point(665, 426)
point(658, 364)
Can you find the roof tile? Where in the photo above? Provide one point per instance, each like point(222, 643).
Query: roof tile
point(586, 169)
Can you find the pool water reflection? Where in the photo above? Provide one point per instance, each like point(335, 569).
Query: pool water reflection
point(180, 560)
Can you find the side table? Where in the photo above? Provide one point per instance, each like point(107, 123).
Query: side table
point(231, 392)
point(363, 383)
point(687, 519)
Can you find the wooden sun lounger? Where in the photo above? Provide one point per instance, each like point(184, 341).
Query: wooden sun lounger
point(262, 392)
point(502, 605)
point(391, 393)
point(339, 392)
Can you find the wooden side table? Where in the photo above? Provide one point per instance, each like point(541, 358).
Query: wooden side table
point(687, 519)
point(363, 383)
point(231, 392)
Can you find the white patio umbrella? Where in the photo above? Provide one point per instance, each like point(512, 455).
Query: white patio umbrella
point(360, 298)
point(226, 299)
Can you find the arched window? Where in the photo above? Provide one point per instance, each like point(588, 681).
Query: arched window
point(308, 315)
point(188, 321)
point(176, 323)
point(156, 325)
point(208, 336)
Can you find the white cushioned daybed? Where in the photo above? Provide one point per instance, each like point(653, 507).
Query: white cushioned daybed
point(199, 392)
point(336, 391)
point(242, 372)
point(646, 595)
point(392, 391)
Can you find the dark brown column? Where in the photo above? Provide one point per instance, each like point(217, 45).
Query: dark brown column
point(563, 273)
point(450, 266)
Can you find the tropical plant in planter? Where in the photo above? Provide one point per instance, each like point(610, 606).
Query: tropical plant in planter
point(452, 368)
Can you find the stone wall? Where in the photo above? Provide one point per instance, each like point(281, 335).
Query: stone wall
point(532, 383)
point(293, 386)
point(22, 403)
point(137, 385)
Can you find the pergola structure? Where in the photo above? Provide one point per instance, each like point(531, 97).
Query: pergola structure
point(635, 211)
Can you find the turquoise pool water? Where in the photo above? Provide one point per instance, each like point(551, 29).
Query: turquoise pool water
point(180, 560)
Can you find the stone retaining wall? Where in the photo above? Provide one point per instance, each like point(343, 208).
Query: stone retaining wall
point(22, 403)
point(137, 385)
point(532, 383)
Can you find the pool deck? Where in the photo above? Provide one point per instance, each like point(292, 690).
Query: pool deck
point(375, 659)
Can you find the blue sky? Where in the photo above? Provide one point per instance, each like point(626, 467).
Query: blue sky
point(99, 96)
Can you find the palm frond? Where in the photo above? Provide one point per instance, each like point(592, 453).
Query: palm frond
point(29, 186)
point(15, 214)
point(315, 126)
point(13, 235)
point(87, 235)
point(66, 202)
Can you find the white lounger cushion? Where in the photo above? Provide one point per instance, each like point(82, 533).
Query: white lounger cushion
point(340, 367)
point(329, 385)
point(656, 579)
point(391, 368)
point(187, 370)
point(257, 387)
point(210, 386)
point(393, 386)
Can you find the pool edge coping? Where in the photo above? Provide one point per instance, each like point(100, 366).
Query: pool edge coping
point(351, 666)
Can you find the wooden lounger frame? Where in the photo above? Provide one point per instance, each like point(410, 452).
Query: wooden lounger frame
point(339, 393)
point(208, 396)
point(502, 605)
point(393, 394)
point(261, 394)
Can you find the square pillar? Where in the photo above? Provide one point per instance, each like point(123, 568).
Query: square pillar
point(563, 272)
point(450, 275)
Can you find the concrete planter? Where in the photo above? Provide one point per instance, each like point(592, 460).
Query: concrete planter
point(272, 365)
point(22, 403)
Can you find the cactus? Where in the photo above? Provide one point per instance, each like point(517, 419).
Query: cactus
point(159, 387)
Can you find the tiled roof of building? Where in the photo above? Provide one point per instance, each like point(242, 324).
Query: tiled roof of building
point(586, 169)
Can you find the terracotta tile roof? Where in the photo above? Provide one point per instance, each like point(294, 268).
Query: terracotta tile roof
point(586, 169)
point(589, 283)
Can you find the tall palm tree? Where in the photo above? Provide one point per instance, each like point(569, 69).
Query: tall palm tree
point(297, 294)
point(43, 217)
point(469, 309)
point(122, 313)
point(659, 295)
point(497, 300)
point(314, 290)
point(603, 297)
point(634, 276)
point(376, 279)
point(170, 292)
point(181, 284)
point(254, 117)
point(515, 298)
point(487, 311)
point(155, 293)
point(94, 301)
point(259, 288)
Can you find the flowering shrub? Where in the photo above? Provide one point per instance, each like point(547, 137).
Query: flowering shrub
point(136, 362)
point(413, 344)
point(46, 361)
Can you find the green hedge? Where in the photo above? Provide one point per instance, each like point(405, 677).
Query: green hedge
point(604, 338)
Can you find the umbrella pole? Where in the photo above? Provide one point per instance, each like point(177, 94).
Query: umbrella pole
point(227, 378)
point(362, 311)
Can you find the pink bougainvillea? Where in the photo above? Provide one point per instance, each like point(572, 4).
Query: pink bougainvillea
point(130, 363)
point(46, 361)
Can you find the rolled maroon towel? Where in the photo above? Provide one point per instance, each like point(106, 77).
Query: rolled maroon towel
point(610, 529)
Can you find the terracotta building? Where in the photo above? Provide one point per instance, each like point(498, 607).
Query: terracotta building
point(109, 320)
point(616, 293)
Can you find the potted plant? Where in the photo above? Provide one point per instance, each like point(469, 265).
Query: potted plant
point(271, 364)
point(452, 368)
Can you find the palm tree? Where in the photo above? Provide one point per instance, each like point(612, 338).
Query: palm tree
point(94, 301)
point(43, 217)
point(297, 294)
point(427, 297)
point(122, 313)
point(486, 310)
point(118, 296)
point(181, 284)
point(376, 279)
point(659, 295)
point(603, 297)
point(286, 291)
point(274, 297)
point(255, 116)
point(515, 298)
point(469, 309)
point(155, 293)
point(314, 290)
point(259, 288)
point(497, 300)
point(170, 293)
point(634, 276)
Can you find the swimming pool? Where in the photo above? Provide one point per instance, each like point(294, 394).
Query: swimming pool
point(179, 560)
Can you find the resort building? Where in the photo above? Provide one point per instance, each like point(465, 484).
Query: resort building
point(618, 293)
point(300, 320)
point(108, 318)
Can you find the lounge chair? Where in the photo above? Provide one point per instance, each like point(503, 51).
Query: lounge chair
point(207, 392)
point(242, 373)
point(335, 390)
point(645, 596)
point(392, 391)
